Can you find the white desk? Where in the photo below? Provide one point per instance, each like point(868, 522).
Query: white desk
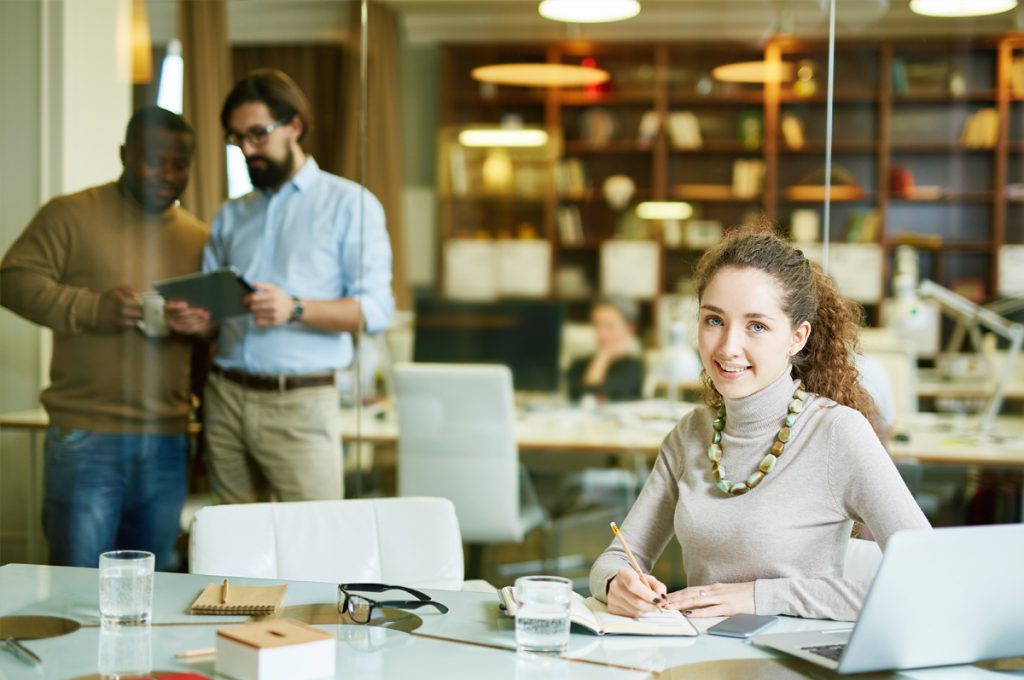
point(474, 640)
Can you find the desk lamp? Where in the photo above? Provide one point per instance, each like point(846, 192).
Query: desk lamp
point(970, 318)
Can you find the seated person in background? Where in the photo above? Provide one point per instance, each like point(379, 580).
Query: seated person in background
point(613, 372)
point(762, 486)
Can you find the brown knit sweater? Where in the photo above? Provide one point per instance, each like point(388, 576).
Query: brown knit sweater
point(789, 534)
point(77, 247)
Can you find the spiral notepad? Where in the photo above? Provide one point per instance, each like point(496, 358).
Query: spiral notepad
point(240, 600)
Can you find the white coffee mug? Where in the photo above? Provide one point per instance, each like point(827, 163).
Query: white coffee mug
point(153, 324)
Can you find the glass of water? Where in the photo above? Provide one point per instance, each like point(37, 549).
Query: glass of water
point(126, 587)
point(542, 617)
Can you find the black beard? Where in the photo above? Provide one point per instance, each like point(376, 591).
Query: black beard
point(274, 174)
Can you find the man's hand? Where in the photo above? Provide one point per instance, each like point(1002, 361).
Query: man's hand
point(270, 306)
point(186, 320)
point(629, 595)
point(717, 599)
point(119, 308)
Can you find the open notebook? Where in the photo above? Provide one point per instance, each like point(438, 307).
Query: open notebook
point(593, 615)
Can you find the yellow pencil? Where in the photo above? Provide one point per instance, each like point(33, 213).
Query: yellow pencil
point(632, 558)
point(224, 592)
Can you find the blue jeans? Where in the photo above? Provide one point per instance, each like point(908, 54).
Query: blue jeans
point(113, 491)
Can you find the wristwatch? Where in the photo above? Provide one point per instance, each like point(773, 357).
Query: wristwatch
point(297, 309)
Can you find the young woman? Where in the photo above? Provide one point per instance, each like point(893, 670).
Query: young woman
point(763, 485)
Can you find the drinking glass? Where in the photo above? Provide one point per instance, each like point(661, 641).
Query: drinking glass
point(126, 587)
point(542, 616)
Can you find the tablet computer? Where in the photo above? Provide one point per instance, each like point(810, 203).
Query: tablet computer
point(219, 291)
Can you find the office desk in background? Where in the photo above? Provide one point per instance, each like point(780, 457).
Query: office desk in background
point(474, 640)
point(633, 432)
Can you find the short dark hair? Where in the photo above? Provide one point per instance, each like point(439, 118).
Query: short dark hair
point(275, 89)
point(154, 117)
point(628, 309)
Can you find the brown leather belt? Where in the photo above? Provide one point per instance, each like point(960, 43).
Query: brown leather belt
point(274, 383)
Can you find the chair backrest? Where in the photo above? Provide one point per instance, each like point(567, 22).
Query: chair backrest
point(862, 559)
point(403, 541)
point(457, 440)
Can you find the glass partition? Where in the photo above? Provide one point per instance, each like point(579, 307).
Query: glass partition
point(536, 196)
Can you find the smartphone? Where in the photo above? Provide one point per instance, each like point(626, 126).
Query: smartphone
point(742, 625)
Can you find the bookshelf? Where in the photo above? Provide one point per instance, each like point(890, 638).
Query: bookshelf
point(900, 109)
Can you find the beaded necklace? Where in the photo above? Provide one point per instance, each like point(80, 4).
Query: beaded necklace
point(767, 463)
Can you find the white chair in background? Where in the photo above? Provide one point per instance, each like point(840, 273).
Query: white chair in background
point(403, 541)
point(457, 440)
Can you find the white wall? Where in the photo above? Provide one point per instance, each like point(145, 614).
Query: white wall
point(65, 106)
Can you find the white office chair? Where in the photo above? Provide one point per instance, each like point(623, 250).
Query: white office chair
point(403, 541)
point(457, 440)
point(862, 559)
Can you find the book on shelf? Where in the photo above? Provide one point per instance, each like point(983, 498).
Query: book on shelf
point(458, 171)
point(650, 123)
point(571, 178)
point(750, 129)
point(981, 129)
point(747, 177)
point(793, 131)
point(899, 76)
point(1017, 77)
point(864, 226)
point(684, 130)
point(593, 615)
point(570, 224)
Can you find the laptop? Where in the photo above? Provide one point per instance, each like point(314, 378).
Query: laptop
point(940, 597)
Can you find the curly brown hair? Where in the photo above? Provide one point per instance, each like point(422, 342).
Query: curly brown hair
point(825, 365)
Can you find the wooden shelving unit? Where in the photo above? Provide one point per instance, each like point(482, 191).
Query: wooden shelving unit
point(875, 129)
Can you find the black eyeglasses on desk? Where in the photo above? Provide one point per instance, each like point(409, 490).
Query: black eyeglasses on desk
point(360, 608)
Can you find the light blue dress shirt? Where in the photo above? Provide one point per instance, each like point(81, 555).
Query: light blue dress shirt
point(304, 238)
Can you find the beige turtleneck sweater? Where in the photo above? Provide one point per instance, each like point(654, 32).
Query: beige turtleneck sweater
point(789, 534)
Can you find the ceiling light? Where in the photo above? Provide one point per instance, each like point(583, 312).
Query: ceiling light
point(754, 72)
point(664, 210)
point(540, 75)
point(961, 8)
point(505, 137)
point(589, 11)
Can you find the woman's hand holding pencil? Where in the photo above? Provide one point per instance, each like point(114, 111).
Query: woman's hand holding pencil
point(631, 592)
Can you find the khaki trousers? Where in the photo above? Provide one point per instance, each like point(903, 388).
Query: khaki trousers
point(265, 445)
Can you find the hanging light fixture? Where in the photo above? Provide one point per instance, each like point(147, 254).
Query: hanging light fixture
point(961, 8)
point(589, 11)
point(540, 75)
point(754, 72)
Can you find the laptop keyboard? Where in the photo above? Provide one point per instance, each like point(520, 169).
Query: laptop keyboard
point(832, 652)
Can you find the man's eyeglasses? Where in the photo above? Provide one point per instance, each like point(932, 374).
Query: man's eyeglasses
point(256, 136)
point(360, 608)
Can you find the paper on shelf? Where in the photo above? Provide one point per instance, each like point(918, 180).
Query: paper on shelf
point(469, 270)
point(630, 268)
point(524, 268)
point(1011, 270)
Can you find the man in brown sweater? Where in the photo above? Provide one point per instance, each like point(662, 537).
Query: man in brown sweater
point(119, 399)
